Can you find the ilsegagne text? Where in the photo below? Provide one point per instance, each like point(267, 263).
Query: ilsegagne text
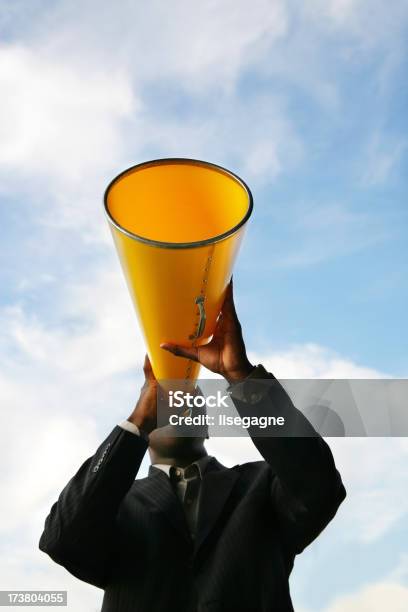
point(223, 420)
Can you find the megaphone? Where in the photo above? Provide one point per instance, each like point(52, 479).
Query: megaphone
point(177, 225)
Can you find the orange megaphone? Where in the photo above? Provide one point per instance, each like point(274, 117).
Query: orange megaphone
point(177, 225)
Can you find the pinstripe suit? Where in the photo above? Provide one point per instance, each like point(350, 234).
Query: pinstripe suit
point(130, 537)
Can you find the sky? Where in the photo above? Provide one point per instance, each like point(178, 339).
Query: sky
point(308, 103)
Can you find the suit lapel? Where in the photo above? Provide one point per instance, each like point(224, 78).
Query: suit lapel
point(157, 491)
point(216, 487)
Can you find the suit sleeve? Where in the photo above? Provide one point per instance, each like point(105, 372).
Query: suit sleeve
point(79, 530)
point(305, 487)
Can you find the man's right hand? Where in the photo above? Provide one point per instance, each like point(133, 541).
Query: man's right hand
point(225, 354)
point(144, 416)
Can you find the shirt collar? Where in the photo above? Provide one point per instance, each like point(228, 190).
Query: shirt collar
point(201, 463)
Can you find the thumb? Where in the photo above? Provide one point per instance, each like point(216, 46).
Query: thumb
point(228, 307)
point(148, 370)
point(181, 351)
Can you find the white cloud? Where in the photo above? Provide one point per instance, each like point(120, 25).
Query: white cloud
point(369, 23)
point(382, 157)
point(315, 232)
point(93, 339)
point(61, 385)
point(341, 10)
point(200, 47)
point(39, 450)
point(400, 572)
point(59, 122)
point(254, 135)
point(30, 569)
point(71, 117)
point(385, 594)
point(77, 109)
point(373, 598)
point(374, 470)
point(312, 361)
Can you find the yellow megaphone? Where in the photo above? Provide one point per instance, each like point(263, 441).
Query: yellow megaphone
point(177, 225)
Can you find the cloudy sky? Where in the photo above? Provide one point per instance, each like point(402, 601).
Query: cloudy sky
point(308, 103)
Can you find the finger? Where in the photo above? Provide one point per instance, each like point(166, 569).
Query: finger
point(181, 351)
point(198, 392)
point(219, 327)
point(161, 391)
point(219, 317)
point(148, 370)
point(228, 307)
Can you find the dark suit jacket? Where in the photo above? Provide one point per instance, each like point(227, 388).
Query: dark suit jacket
point(130, 538)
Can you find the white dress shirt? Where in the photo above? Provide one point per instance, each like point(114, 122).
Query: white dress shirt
point(186, 483)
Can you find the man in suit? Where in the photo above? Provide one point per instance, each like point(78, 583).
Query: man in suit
point(195, 536)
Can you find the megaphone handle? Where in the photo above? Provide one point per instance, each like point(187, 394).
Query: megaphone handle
point(201, 325)
point(200, 298)
point(200, 329)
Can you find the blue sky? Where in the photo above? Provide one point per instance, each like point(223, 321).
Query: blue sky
point(307, 102)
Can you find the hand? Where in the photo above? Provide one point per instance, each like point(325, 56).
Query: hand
point(226, 353)
point(144, 416)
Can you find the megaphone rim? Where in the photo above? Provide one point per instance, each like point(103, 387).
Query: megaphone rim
point(179, 245)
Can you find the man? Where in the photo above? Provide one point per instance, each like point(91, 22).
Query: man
point(195, 536)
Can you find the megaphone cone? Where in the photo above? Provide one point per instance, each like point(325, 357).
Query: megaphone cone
point(177, 225)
